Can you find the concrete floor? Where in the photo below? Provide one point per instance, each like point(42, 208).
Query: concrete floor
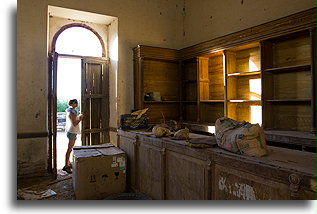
point(62, 185)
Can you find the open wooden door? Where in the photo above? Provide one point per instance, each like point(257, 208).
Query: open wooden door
point(95, 101)
point(52, 99)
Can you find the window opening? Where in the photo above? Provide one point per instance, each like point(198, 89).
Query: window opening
point(78, 41)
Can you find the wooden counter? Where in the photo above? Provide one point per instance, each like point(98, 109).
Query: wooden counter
point(167, 169)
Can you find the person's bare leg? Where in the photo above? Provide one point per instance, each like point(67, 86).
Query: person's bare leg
point(71, 143)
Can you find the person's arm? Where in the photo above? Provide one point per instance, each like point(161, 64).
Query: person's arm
point(75, 120)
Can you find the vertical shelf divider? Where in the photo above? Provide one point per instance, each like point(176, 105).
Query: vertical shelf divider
point(198, 89)
point(180, 76)
point(313, 76)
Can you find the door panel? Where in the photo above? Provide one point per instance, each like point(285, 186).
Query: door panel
point(95, 101)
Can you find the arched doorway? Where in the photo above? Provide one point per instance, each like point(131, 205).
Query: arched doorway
point(78, 70)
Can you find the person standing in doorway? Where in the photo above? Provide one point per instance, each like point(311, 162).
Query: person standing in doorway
point(73, 127)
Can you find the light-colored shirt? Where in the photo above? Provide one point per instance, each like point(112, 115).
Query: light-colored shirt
point(69, 124)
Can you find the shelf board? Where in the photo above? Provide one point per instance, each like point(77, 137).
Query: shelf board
point(159, 102)
point(161, 81)
point(291, 137)
point(212, 101)
point(189, 101)
point(289, 101)
point(245, 73)
point(289, 68)
point(243, 101)
point(189, 81)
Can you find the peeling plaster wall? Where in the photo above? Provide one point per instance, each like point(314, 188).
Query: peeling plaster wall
point(148, 22)
point(31, 86)
point(205, 20)
point(31, 67)
point(31, 161)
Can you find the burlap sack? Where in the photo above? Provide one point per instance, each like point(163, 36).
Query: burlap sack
point(240, 137)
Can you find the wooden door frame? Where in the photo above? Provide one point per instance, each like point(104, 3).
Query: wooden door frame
point(52, 103)
point(52, 109)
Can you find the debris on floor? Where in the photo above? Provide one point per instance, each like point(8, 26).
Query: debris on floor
point(26, 194)
point(43, 188)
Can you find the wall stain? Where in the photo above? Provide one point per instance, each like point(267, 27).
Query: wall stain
point(37, 115)
point(184, 16)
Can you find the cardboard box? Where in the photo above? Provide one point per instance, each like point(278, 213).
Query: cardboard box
point(98, 171)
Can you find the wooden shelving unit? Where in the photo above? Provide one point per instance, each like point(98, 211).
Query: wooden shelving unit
point(212, 91)
point(287, 82)
point(211, 101)
point(157, 70)
point(288, 68)
point(203, 88)
point(160, 102)
point(245, 73)
point(188, 90)
point(290, 101)
point(262, 75)
point(243, 83)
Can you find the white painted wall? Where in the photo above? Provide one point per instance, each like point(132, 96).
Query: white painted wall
point(208, 19)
